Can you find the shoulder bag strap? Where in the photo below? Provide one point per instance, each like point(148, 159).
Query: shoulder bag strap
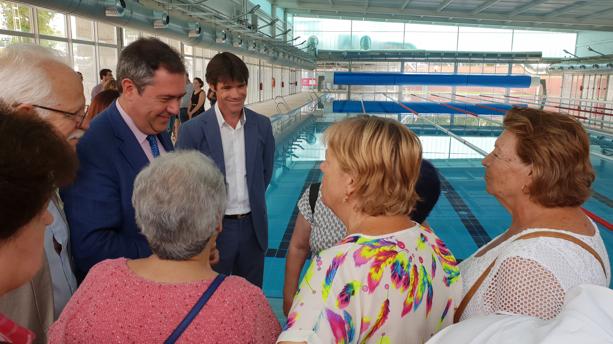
point(313, 193)
point(567, 237)
point(460, 310)
point(471, 292)
point(195, 310)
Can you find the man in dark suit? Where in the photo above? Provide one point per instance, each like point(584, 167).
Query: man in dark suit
point(119, 143)
point(241, 143)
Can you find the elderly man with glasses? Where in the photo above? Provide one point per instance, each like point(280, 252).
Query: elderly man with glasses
point(38, 79)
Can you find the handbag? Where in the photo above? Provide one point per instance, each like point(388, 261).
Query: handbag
point(178, 331)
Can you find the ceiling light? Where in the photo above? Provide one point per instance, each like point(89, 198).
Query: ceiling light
point(115, 8)
point(194, 30)
point(161, 20)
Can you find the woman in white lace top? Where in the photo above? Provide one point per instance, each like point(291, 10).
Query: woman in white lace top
point(541, 173)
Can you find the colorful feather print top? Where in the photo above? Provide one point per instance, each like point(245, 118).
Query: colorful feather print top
point(400, 287)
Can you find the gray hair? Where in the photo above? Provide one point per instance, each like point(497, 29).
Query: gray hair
point(179, 200)
point(139, 61)
point(21, 68)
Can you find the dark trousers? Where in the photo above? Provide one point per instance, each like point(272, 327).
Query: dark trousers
point(239, 251)
point(183, 115)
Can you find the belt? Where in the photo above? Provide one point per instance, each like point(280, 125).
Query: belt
point(236, 216)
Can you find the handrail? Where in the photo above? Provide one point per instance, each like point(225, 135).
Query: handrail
point(446, 131)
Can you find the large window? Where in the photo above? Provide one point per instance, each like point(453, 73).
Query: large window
point(338, 34)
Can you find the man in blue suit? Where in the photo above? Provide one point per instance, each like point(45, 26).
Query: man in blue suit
point(241, 143)
point(119, 143)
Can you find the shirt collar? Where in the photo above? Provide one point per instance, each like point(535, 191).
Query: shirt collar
point(221, 121)
point(140, 136)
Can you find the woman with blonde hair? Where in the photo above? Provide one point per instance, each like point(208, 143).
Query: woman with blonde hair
point(390, 279)
point(540, 171)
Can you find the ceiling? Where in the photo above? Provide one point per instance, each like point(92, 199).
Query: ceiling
point(563, 15)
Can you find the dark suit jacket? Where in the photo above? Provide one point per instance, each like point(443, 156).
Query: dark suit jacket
point(98, 205)
point(202, 134)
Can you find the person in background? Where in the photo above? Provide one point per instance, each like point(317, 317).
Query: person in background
point(105, 75)
point(38, 79)
point(210, 95)
point(241, 143)
point(110, 84)
point(186, 100)
point(390, 280)
point(100, 103)
point(145, 299)
point(118, 144)
point(317, 228)
point(540, 171)
point(197, 102)
point(35, 161)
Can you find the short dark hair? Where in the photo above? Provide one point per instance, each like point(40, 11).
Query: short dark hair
point(226, 67)
point(139, 61)
point(428, 188)
point(34, 161)
point(103, 72)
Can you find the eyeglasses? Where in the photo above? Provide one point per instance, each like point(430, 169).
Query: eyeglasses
point(78, 116)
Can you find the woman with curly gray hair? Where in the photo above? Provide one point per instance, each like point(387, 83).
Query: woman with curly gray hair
point(179, 201)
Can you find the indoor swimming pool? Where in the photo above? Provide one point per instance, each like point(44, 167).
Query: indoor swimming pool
point(465, 217)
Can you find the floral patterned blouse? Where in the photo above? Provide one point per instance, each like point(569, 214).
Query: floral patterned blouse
point(401, 287)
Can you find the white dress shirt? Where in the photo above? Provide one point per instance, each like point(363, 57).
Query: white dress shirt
point(233, 144)
point(140, 136)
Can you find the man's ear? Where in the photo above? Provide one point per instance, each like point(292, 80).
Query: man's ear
point(128, 88)
point(25, 107)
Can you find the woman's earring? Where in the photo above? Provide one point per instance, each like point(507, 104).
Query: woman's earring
point(524, 189)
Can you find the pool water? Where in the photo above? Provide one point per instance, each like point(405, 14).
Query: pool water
point(465, 217)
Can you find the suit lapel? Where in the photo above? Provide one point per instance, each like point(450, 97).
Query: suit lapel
point(166, 141)
point(213, 137)
point(128, 145)
point(251, 141)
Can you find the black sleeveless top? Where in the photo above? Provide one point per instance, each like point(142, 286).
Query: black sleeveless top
point(195, 97)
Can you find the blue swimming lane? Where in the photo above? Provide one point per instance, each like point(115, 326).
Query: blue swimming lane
point(354, 106)
point(438, 79)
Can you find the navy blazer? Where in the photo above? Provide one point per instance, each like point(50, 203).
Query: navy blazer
point(98, 205)
point(202, 133)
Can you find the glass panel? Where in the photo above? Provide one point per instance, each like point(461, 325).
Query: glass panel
point(84, 60)
point(376, 35)
point(188, 49)
point(130, 36)
point(198, 51)
point(51, 23)
point(552, 44)
point(106, 33)
point(431, 37)
point(198, 71)
point(15, 17)
point(327, 33)
point(82, 28)
point(189, 66)
point(107, 58)
point(484, 39)
point(6, 40)
point(56, 45)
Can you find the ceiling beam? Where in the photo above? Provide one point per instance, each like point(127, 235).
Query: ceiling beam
point(484, 6)
point(448, 17)
point(406, 3)
point(566, 9)
point(596, 14)
point(526, 7)
point(444, 5)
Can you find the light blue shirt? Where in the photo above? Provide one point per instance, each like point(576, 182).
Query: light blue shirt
point(187, 98)
point(60, 265)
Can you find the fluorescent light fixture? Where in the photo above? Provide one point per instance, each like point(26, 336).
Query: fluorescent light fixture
point(115, 8)
point(161, 20)
point(194, 30)
point(221, 36)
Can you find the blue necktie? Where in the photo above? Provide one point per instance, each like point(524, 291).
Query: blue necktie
point(154, 145)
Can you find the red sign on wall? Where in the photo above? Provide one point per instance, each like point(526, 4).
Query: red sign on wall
point(308, 81)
